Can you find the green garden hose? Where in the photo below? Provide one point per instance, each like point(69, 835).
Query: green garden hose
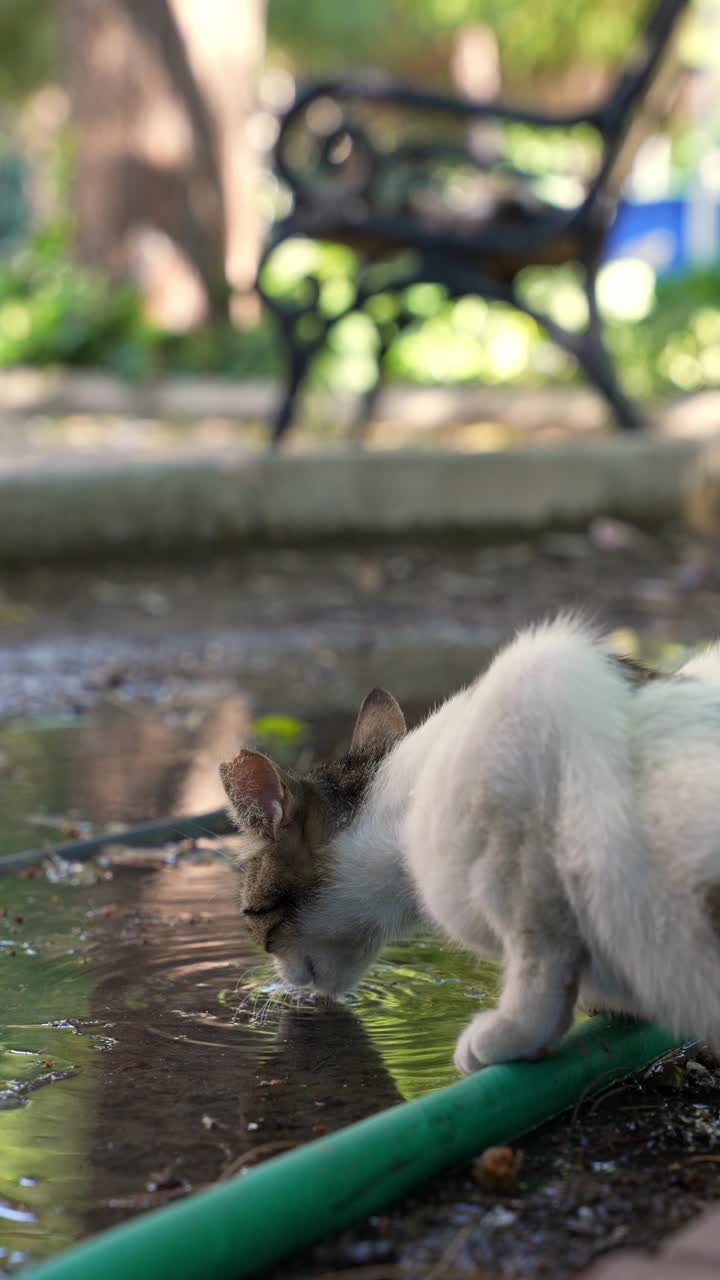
point(245, 1225)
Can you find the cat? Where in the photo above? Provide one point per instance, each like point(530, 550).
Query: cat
point(561, 813)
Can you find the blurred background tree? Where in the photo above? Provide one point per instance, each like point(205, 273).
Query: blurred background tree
point(165, 175)
point(29, 38)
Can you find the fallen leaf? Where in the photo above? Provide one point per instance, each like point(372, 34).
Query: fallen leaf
point(497, 1168)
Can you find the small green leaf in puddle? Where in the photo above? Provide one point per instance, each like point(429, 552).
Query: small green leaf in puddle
point(280, 736)
point(286, 728)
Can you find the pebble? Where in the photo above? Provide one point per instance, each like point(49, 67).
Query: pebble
point(698, 1072)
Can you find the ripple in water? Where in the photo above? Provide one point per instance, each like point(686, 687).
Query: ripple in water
point(145, 1046)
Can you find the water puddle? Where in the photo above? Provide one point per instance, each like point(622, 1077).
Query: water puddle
point(65, 776)
point(144, 1047)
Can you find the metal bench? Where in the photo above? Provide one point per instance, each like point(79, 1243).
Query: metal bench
point(357, 179)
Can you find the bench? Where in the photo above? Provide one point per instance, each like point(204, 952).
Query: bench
point(358, 178)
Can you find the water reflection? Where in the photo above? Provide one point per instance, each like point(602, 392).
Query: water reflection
point(117, 766)
point(121, 765)
point(48, 1071)
point(165, 1057)
point(145, 1049)
point(414, 1003)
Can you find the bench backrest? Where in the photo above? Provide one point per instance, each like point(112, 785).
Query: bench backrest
point(623, 105)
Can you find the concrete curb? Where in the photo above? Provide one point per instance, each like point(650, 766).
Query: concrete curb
point(154, 506)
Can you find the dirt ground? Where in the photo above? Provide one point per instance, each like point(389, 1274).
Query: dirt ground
point(626, 1168)
point(307, 630)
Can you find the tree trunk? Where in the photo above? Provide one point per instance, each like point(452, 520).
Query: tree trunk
point(161, 93)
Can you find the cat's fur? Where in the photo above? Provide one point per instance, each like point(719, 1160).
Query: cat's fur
point(563, 812)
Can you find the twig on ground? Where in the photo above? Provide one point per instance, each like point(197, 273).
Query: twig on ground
point(255, 1155)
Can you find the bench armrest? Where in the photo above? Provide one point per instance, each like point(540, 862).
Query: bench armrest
point(382, 89)
point(375, 162)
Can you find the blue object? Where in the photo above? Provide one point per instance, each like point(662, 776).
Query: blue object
point(656, 231)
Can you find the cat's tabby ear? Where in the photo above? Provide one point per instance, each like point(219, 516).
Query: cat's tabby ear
point(260, 792)
point(380, 723)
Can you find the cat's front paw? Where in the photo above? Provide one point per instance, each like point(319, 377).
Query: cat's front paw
point(491, 1038)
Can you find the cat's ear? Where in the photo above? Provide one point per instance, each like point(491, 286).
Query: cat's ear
point(260, 793)
point(380, 723)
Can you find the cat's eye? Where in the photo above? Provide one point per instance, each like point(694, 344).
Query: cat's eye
point(263, 911)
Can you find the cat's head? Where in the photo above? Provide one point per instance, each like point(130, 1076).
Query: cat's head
point(294, 889)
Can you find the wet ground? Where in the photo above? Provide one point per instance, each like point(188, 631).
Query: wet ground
point(146, 1051)
point(143, 1048)
point(296, 630)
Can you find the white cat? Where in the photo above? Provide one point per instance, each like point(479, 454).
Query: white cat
point(563, 813)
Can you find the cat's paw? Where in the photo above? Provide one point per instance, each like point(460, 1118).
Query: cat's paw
point(491, 1038)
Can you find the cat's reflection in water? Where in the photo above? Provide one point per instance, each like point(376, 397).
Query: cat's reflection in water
point(322, 1072)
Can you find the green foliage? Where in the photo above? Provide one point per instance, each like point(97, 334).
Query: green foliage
point(406, 36)
point(665, 335)
point(52, 313)
point(218, 349)
point(401, 35)
point(677, 346)
point(28, 39)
